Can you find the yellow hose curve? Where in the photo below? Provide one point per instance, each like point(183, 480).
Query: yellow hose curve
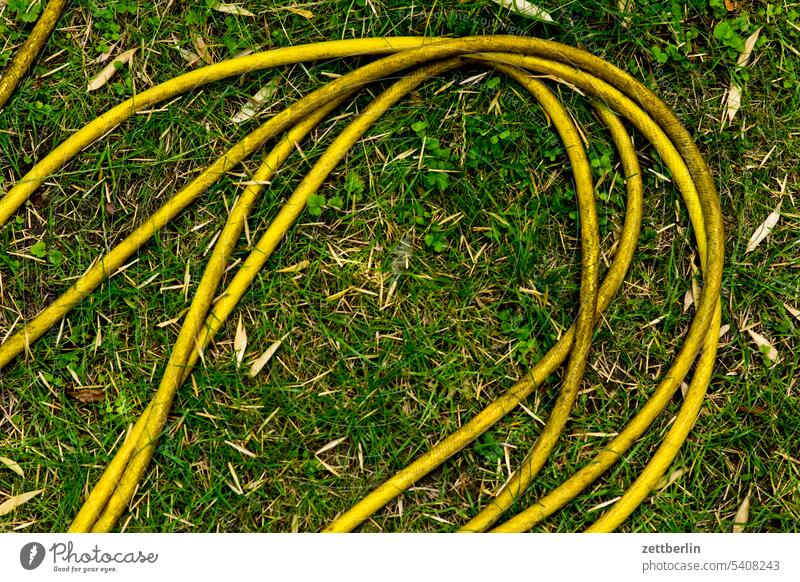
point(23, 59)
point(516, 57)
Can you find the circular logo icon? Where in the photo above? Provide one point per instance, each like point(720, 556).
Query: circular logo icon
point(31, 555)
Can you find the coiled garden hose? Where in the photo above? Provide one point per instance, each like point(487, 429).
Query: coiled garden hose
point(416, 60)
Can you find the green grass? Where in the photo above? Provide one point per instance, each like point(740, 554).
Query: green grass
point(490, 282)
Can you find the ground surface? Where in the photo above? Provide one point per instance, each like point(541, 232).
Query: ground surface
point(484, 264)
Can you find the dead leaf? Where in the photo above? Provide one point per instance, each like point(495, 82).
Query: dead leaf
point(256, 102)
point(749, 44)
point(765, 347)
point(667, 480)
point(190, 57)
point(87, 395)
point(764, 229)
point(304, 13)
point(525, 8)
point(742, 515)
point(734, 100)
point(262, 360)
point(688, 300)
point(626, 8)
point(684, 389)
point(328, 467)
point(751, 409)
point(11, 464)
point(202, 49)
point(691, 296)
point(331, 445)
point(231, 9)
point(110, 70)
point(240, 342)
point(12, 503)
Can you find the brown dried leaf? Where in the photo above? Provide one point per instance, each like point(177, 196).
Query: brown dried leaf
point(240, 342)
point(331, 445)
point(256, 102)
point(11, 464)
point(87, 395)
point(765, 347)
point(110, 70)
point(667, 480)
point(525, 8)
point(190, 57)
point(262, 360)
point(684, 389)
point(202, 49)
point(295, 268)
point(749, 44)
point(742, 515)
point(792, 310)
point(231, 9)
point(764, 229)
point(734, 101)
point(688, 300)
point(12, 503)
point(304, 13)
point(626, 7)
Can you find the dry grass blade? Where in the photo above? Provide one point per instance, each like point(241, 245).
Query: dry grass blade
point(231, 9)
point(240, 341)
point(110, 70)
point(525, 8)
point(764, 229)
point(604, 504)
point(241, 449)
point(12, 503)
point(742, 515)
point(11, 464)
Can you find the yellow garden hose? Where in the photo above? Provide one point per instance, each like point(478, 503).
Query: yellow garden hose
point(27, 53)
point(418, 59)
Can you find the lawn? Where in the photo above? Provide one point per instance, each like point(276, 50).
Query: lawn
point(434, 267)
